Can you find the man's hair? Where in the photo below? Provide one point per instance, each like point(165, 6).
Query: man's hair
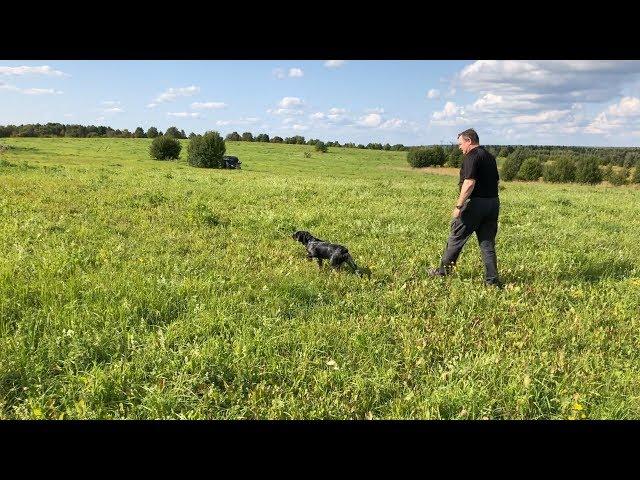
point(470, 134)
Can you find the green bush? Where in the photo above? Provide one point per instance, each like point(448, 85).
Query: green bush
point(426, 157)
point(321, 147)
point(588, 171)
point(562, 170)
point(510, 168)
point(206, 151)
point(530, 170)
point(636, 173)
point(165, 148)
point(620, 177)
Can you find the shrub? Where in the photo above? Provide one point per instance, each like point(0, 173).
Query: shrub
point(530, 170)
point(510, 168)
point(321, 147)
point(588, 171)
point(636, 173)
point(247, 137)
point(165, 148)
point(276, 139)
point(234, 137)
point(174, 132)
point(426, 157)
point(561, 170)
point(206, 151)
point(620, 178)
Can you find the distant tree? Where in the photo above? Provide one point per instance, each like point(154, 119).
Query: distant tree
point(182, 134)
point(233, 137)
point(276, 139)
point(173, 132)
point(312, 141)
point(165, 148)
point(636, 173)
point(386, 147)
point(563, 170)
point(247, 137)
point(361, 146)
point(206, 151)
point(621, 177)
point(397, 147)
point(588, 171)
point(152, 132)
point(321, 147)
point(139, 133)
point(263, 137)
point(510, 168)
point(426, 156)
point(530, 170)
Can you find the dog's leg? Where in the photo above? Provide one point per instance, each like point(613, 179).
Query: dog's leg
point(319, 262)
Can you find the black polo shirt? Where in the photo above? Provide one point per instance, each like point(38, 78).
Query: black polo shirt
point(481, 166)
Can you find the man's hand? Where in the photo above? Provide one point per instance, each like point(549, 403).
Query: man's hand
point(456, 213)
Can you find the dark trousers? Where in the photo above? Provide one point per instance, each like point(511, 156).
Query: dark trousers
point(478, 215)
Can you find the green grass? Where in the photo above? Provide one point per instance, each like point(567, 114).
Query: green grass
point(133, 288)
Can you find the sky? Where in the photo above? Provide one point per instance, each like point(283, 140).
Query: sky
point(552, 102)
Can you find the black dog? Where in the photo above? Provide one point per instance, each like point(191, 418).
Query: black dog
point(321, 250)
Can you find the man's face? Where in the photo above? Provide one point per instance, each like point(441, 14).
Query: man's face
point(464, 144)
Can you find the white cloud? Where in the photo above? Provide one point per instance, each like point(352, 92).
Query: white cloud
point(223, 122)
point(288, 120)
point(627, 107)
point(278, 73)
point(208, 105)
point(370, 120)
point(336, 111)
point(619, 118)
point(317, 116)
point(296, 72)
point(450, 115)
point(393, 123)
point(40, 91)
point(375, 110)
point(299, 127)
point(542, 117)
point(113, 110)
point(152, 105)
point(111, 103)
point(26, 70)
point(433, 93)
point(29, 91)
point(184, 114)
point(334, 63)
point(288, 102)
point(172, 93)
point(285, 111)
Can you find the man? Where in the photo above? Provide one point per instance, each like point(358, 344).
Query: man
point(476, 209)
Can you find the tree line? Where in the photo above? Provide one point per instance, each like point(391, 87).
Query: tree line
point(625, 157)
point(84, 131)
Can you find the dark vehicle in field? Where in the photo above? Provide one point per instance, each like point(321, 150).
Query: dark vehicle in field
point(231, 162)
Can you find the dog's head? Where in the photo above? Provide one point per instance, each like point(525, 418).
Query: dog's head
point(302, 236)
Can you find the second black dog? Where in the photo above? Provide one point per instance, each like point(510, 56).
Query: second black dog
point(321, 250)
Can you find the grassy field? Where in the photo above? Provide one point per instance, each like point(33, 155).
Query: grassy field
point(133, 288)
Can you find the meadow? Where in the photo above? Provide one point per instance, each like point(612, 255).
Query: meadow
point(142, 289)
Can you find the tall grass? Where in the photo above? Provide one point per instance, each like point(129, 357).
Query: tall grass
point(131, 288)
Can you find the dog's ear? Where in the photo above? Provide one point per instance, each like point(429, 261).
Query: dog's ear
point(296, 235)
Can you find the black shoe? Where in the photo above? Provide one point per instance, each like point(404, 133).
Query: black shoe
point(435, 272)
point(495, 283)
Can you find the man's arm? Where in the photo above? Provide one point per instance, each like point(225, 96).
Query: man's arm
point(465, 191)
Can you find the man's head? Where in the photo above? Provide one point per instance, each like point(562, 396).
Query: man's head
point(468, 140)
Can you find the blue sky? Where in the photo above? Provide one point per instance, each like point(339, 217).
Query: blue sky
point(409, 102)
